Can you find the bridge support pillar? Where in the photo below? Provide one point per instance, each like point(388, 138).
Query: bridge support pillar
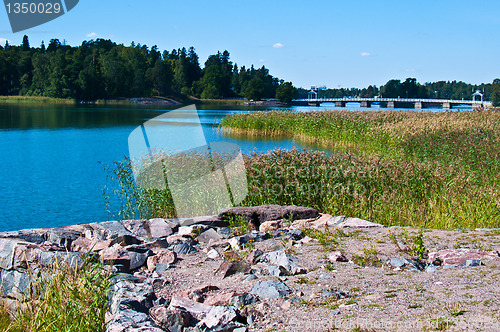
point(391, 104)
point(365, 104)
point(419, 105)
point(339, 104)
point(446, 106)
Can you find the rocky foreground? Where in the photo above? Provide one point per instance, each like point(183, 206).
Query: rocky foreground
point(297, 270)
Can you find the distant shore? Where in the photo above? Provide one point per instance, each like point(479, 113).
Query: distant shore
point(141, 101)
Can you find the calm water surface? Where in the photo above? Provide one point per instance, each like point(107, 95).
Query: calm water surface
point(52, 157)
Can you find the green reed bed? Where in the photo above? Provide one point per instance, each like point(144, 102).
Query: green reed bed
point(436, 170)
point(439, 169)
point(392, 192)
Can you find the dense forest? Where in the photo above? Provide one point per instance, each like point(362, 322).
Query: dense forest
point(100, 69)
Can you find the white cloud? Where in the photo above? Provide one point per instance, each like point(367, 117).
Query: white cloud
point(3, 40)
point(278, 45)
point(365, 54)
point(261, 60)
point(92, 35)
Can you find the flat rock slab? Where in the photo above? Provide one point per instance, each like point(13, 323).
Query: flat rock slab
point(358, 223)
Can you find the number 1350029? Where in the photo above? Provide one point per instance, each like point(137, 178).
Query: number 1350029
point(33, 8)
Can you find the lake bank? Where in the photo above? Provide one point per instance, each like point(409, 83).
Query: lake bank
point(301, 271)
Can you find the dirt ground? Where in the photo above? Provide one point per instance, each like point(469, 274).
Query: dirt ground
point(377, 297)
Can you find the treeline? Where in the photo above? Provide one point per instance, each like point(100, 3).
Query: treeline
point(410, 88)
point(100, 69)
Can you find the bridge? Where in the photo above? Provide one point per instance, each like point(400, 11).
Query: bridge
point(394, 102)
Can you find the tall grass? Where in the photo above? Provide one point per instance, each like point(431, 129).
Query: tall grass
point(436, 170)
point(63, 298)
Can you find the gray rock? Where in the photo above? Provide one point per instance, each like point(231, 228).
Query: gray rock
point(208, 235)
point(285, 260)
point(250, 278)
point(431, 268)
point(225, 232)
point(325, 276)
point(277, 271)
point(270, 289)
point(27, 235)
point(338, 294)
point(137, 259)
point(410, 264)
point(213, 254)
point(70, 259)
point(242, 300)
point(14, 284)
point(158, 228)
point(184, 248)
point(110, 229)
point(471, 263)
point(162, 267)
point(171, 320)
point(7, 251)
point(61, 237)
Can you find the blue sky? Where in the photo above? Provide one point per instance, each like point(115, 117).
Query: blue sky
point(334, 43)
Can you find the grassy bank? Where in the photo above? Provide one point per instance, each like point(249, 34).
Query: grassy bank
point(35, 100)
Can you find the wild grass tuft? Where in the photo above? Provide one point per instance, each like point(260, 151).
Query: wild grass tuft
point(63, 298)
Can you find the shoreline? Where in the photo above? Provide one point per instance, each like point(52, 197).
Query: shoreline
point(317, 272)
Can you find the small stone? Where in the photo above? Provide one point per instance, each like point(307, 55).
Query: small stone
point(277, 271)
point(285, 260)
point(172, 320)
point(272, 225)
point(125, 240)
point(208, 235)
point(431, 268)
point(158, 228)
point(307, 240)
point(337, 256)
point(213, 254)
point(221, 298)
point(471, 263)
point(184, 248)
point(254, 256)
point(286, 305)
point(165, 257)
point(250, 278)
point(229, 268)
point(225, 232)
point(235, 243)
point(270, 289)
point(325, 276)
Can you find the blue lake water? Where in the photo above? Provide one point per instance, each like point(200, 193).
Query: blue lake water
point(52, 157)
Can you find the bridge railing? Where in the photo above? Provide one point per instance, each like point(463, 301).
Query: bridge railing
point(401, 100)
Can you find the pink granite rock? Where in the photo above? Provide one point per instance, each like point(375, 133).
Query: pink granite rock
point(458, 256)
